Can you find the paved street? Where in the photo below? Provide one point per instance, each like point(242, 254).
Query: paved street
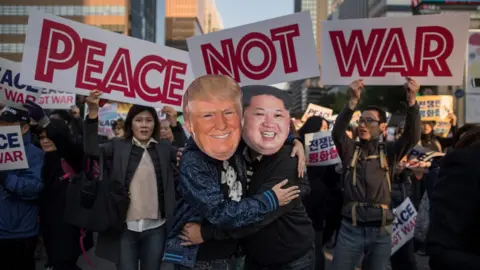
point(100, 264)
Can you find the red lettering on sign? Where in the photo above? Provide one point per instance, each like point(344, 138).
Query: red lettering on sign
point(386, 51)
point(17, 97)
point(14, 156)
point(120, 75)
point(235, 59)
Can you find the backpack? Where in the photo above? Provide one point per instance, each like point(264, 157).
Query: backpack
point(382, 157)
point(95, 202)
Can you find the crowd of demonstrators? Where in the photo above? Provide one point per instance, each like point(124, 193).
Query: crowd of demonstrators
point(237, 193)
point(19, 195)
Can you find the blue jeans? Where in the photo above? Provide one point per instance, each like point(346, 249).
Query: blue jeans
point(225, 264)
point(306, 262)
point(353, 242)
point(146, 247)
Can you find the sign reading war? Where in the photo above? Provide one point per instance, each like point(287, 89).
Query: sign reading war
point(63, 54)
point(383, 51)
point(12, 151)
point(267, 52)
point(13, 92)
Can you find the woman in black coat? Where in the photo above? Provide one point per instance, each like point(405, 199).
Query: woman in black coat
point(325, 201)
point(63, 158)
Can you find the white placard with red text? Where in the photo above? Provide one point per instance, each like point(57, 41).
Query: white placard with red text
point(316, 110)
point(267, 52)
point(320, 149)
point(75, 57)
point(383, 51)
point(13, 92)
point(12, 150)
point(403, 227)
point(53, 99)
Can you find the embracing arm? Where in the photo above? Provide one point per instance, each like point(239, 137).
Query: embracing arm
point(285, 169)
point(199, 181)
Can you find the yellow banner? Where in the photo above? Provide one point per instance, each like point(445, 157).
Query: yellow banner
point(435, 108)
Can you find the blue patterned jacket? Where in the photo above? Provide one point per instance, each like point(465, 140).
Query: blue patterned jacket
point(202, 199)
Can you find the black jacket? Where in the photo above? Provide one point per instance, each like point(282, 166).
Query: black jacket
point(116, 154)
point(372, 186)
point(61, 239)
point(452, 239)
point(284, 234)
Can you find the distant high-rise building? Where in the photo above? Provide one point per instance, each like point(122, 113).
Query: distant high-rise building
point(129, 17)
point(306, 91)
point(160, 35)
point(188, 18)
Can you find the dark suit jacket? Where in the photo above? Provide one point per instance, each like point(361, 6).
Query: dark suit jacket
point(116, 154)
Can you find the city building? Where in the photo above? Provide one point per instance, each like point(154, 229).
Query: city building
point(389, 8)
point(160, 34)
point(186, 18)
point(308, 91)
point(130, 17)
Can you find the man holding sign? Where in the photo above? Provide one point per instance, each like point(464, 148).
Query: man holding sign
point(19, 188)
point(367, 218)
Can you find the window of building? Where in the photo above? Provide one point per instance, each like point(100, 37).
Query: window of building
point(11, 47)
point(64, 10)
point(13, 29)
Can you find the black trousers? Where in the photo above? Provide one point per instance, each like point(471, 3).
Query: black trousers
point(18, 254)
point(404, 258)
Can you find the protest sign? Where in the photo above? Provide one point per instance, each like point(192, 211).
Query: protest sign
point(383, 51)
point(12, 92)
point(63, 54)
point(267, 52)
point(106, 115)
point(355, 118)
point(472, 84)
point(403, 227)
point(442, 128)
point(12, 150)
point(435, 108)
point(52, 99)
point(391, 132)
point(320, 149)
point(316, 110)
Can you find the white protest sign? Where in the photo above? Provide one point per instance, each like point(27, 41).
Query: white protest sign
point(472, 77)
point(63, 54)
point(316, 110)
point(106, 115)
point(403, 227)
point(52, 99)
point(267, 52)
point(383, 51)
point(12, 92)
point(12, 150)
point(320, 149)
point(472, 109)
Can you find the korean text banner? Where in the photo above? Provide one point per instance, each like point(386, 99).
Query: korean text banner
point(435, 108)
point(403, 228)
point(320, 149)
point(316, 110)
point(63, 54)
point(12, 150)
point(383, 51)
point(267, 52)
point(13, 92)
point(52, 99)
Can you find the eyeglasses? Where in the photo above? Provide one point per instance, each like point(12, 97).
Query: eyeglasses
point(367, 121)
